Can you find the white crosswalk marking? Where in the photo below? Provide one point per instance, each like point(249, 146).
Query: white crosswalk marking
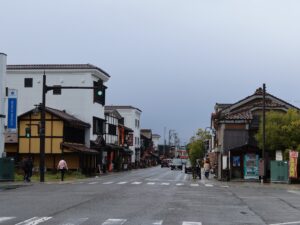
point(34, 221)
point(225, 186)
point(123, 182)
point(165, 183)
point(179, 184)
point(110, 182)
point(114, 222)
point(191, 223)
point(159, 222)
point(94, 182)
point(194, 185)
point(136, 182)
point(74, 221)
point(151, 183)
point(209, 185)
point(2, 219)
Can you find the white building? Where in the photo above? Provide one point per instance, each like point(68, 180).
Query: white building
point(132, 118)
point(2, 100)
point(84, 104)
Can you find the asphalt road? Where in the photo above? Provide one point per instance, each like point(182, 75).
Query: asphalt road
point(152, 196)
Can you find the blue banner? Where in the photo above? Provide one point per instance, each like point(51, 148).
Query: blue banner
point(12, 113)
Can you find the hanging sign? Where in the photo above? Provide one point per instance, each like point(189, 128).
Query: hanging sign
point(293, 164)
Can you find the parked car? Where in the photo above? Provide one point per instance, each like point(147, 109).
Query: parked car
point(165, 163)
point(176, 164)
point(188, 167)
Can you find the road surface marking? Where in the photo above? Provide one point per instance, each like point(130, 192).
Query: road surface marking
point(151, 183)
point(34, 221)
point(108, 182)
point(194, 185)
point(136, 182)
point(165, 184)
point(295, 192)
point(296, 222)
point(191, 223)
point(209, 185)
point(94, 182)
point(114, 222)
point(185, 177)
point(75, 221)
point(2, 219)
point(159, 222)
point(225, 186)
point(123, 182)
point(179, 184)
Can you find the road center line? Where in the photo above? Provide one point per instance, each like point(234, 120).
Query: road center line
point(191, 223)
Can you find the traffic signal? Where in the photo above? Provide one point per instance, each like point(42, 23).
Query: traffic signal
point(28, 132)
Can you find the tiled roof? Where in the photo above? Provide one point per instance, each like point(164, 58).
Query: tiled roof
point(121, 107)
point(239, 116)
point(55, 67)
point(74, 147)
point(67, 117)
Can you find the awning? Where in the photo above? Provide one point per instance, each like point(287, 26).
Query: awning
point(127, 151)
point(113, 147)
point(73, 147)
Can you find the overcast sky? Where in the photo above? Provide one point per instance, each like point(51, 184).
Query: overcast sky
point(172, 59)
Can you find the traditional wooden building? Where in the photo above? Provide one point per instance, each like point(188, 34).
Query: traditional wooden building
point(64, 137)
point(235, 127)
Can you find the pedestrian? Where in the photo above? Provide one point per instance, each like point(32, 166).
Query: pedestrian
point(62, 167)
point(206, 169)
point(25, 168)
point(104, 164)
point(29, 168)
point(198, 168)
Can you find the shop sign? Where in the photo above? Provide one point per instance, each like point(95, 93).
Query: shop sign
point(293, 164)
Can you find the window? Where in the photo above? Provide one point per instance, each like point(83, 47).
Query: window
point(137, 123)
point(99, 93)
point(112, 129)
point(98, 126)
point(28, 82)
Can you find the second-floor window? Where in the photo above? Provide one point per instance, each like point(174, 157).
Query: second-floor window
point(98, 126)
point(28, 82)
point(112, 129)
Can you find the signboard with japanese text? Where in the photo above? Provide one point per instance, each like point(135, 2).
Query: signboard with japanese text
point(293, 164)
point(12, 110)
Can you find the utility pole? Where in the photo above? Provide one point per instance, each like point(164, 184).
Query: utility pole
point(165, 141)
point(264, 132)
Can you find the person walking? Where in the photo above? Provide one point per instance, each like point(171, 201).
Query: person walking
point(25, 168)
point(206, 169)
point(62, 167)
point(29, 168)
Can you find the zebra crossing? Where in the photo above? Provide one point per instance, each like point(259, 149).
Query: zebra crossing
point(152, 183)
point(78, 221)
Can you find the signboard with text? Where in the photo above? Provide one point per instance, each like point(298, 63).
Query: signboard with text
point(293, 164)
point(12, 110)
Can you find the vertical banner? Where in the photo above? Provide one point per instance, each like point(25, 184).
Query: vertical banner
point(293, 164)
point(12, 110)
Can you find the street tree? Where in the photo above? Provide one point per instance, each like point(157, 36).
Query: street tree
point(196, 147)
point(282, 131)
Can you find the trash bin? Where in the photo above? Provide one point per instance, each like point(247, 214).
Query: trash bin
point(7, 169)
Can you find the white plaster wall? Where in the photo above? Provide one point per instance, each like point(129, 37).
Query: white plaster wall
point(129, 121)
point(77, 102)
point(2, 99)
